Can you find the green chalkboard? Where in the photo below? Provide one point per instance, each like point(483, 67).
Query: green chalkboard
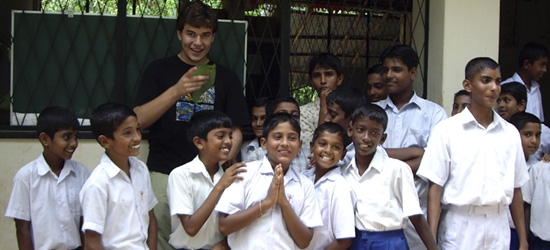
point(69, 61)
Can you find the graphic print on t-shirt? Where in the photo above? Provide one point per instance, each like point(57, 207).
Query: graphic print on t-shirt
point(185, 108)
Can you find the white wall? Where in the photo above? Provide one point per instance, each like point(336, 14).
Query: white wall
point(15, 153)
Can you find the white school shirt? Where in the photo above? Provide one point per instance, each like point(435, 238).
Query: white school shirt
point(536, 192)
point(350, 153)
point(49, 202)
point(116, 206)
point(474, 165)
point(385, 194)
point(335, 202)
point(248, 148)
point(534, 97)
point(269, 231)
point(544, 147)
point(300, 163)
point(532, 160)
point(188, 187)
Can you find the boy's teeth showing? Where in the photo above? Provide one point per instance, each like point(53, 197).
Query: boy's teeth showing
point(324, 158)
point(225, 149)
point(364, 146)
point(135, 147)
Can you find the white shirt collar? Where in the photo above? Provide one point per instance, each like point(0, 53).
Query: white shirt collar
point(388, 103)
point(377, 162)
point(44, 168)
point(266, 168)
point(198, 167)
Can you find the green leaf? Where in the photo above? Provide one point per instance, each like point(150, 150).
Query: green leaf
point(204, 70)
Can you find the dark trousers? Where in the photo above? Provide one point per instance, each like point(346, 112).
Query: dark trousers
point(387, 240)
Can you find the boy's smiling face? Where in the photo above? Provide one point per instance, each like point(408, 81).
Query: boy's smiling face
point(530, 138)
point(61, 146)
point(258, 118)
point(328, 149)
point(217, 144)
point(282, 145)
point(484, 88)
point(507, 106)
point(377, 89)
point(126, 139)
point(537, 69)
point(398, 76)
point(366, 135)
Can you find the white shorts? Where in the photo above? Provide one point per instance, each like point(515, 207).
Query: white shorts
point(474, 227)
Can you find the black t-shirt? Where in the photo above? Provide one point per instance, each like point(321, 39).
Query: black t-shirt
point(169, 145)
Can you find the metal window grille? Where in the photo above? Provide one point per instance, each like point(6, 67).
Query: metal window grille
point(282, 35)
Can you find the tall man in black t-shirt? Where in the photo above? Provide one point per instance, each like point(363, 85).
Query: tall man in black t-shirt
point(165, 105)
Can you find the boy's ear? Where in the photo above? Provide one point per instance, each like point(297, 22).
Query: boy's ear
point(522, 105)
point(350, 129)
point(199, 143)
point(44, 139)
point(263, 142)
point(104, 141)
point(311, 145)
point(383, 139)
point(526, 64)
point(413, 73)
point(340, 79)
point(467, 85)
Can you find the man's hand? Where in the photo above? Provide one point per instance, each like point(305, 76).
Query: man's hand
point(188, 83)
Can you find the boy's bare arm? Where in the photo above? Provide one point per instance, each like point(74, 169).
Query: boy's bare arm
point(516, 210)
point(150, 112)
point(23, 232)
point(193, 223)
point(152, 231)
point(412, 156)
point(434, 207)
point(323, 106)
point(93, 240)
point(230, 223)
point(301, 235)
point(339, 244)
point(222, 245)
point(423, 230)
point(527, 211)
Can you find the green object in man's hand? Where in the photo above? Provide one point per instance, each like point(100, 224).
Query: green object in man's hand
point(204, 70)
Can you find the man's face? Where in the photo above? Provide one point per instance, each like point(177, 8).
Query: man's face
point(538, 68)
point(398, 76)
point(195, 44)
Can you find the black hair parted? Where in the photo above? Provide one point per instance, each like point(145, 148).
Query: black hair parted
point(205, 121)
point(478, 64)
point(325, 61)
point(196, 14)
point(272, 105)
point(107, 117)
point(275, 119)
point(53, 119)
point(373, 112)
point(348, 98)
point(521, 118)
point(516, 90)
point(401, 51)
point(332, 128)
point(531, 52)
point(461, 92)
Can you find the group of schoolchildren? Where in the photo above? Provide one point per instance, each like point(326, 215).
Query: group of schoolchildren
point(379, 169)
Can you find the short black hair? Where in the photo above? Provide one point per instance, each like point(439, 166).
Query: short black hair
point(461, 92)
point(273, 120)
point(272, 105)
point(260, 102)
point(401, 51)
point(348, 98)
point(531, 52)
point(107, 117)
point(373, 112)
point(516, 90)
point(376, 69)
point(332, 128)
point(196, 14)
point(53, 119)
point(521, 118)
point(325, 61)
point(478, 64)
point(205, 121)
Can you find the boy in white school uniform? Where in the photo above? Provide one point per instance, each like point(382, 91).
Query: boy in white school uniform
point(536, 190)
point(383, 188)
point(195, 187)
point(117, 200)
point(410, 120)
point(44, 201)
point(475, 165)
point(333, 193)
point(274, 206)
